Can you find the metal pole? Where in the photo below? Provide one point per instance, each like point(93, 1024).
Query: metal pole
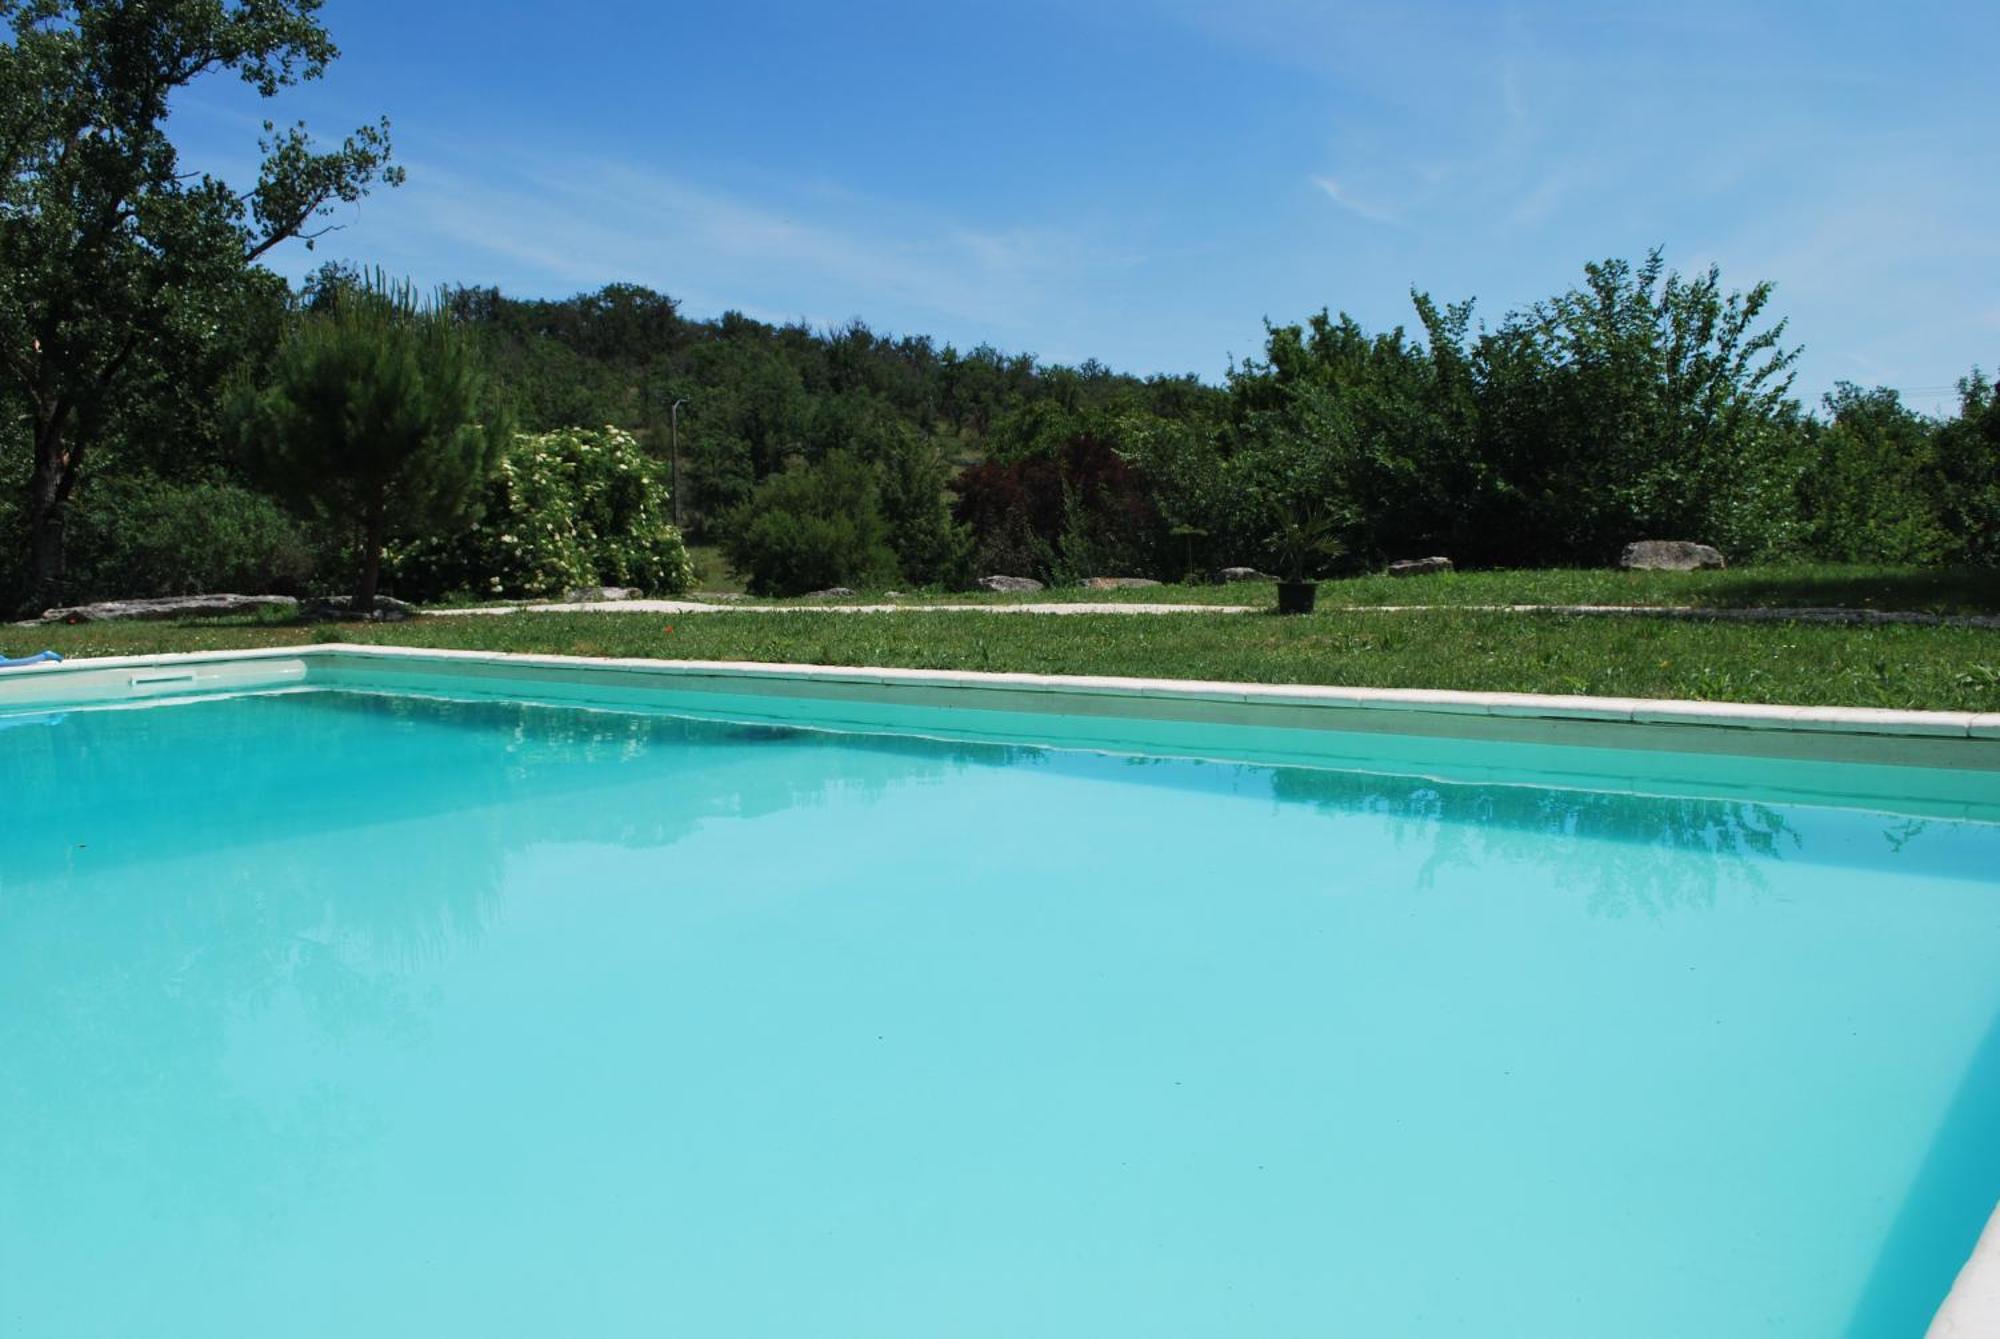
point(674, 432)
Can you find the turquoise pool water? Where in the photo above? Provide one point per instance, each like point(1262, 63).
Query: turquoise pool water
point(336, 1014)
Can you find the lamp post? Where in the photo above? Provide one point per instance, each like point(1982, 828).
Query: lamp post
point(674, 437)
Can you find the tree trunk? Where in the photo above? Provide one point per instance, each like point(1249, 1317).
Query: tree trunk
point(372, 540)
point(45, 562)
point(48, 501)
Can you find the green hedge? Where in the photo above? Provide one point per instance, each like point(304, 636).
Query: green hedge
point(137, 536)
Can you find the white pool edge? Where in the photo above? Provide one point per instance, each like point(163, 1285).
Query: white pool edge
point(1833, 720)
point(124, 676)
point(1972, 1309)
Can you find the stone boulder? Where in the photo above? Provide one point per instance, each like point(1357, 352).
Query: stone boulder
point(1233, 574)
point(600, 594)
point(340, 609)
point(1005, 584)
point(1117, 583)
point(1670, 555)
point(1417, 567)
point(173, 606)
point(830, 593)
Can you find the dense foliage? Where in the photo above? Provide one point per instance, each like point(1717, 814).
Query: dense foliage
point(1640, 404)
point(812, 526)
point(1968, 475)
point(1076, 510)
point(122, 276)
point(568, 509)
point(141, 537)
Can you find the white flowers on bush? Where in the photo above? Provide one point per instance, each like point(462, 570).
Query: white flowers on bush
point(576, 507)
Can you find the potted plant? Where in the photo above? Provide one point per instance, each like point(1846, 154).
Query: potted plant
point(1303, 544)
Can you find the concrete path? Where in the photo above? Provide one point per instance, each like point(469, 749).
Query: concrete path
point(1844, 617)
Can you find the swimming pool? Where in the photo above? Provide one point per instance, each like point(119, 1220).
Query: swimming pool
point(419, 997)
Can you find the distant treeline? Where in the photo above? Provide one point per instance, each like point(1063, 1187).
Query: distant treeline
point(1639, 404)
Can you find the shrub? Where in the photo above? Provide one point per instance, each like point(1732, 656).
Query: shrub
point(577, 507)
point(1082, 511)
point(137, 537)
point(809, 527)
point(930, 549)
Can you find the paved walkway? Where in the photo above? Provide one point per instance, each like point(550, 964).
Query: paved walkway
point(1845, 617)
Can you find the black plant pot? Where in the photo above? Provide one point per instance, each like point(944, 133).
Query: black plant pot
point(1296, 597)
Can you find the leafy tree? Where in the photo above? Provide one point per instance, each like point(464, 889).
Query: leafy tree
point(1193, 486)
point(747, 415)
point(809, 527)
point(1968, 463)
point(372, 419)
point(1372, 431)
point(1642, 404)
point(1873, 492)
point(116, 267)
point(930, 549)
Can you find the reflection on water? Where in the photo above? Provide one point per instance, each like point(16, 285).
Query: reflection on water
point(310, 871)
point(1474, 826)
point(171, 873)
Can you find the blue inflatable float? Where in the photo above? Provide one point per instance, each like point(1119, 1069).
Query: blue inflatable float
point(39, 658)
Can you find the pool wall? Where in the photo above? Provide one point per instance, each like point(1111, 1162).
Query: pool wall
point(148, 678)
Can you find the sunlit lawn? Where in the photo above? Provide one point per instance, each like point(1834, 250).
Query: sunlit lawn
point(1899, 666)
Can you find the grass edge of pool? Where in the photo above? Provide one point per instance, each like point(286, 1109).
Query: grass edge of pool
point(1785, 664)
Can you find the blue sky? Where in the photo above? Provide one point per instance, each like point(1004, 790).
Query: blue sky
point(1145, 181)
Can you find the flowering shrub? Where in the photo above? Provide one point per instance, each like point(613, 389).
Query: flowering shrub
point(576, 507)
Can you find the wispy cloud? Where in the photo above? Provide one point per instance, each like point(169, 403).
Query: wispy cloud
point(806, 252)
point(1410, 156)
point(1345, 199)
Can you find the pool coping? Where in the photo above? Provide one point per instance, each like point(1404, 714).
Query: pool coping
point(1723, 716)
point(1973, 1303)
point(1972, 1308)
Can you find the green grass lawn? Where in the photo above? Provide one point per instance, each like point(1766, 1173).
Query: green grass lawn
point(1911, 667)
point(712, 571)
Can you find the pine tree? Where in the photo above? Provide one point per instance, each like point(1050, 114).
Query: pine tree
point(373, 420)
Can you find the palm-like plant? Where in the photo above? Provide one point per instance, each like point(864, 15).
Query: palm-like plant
point(1305, 541)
